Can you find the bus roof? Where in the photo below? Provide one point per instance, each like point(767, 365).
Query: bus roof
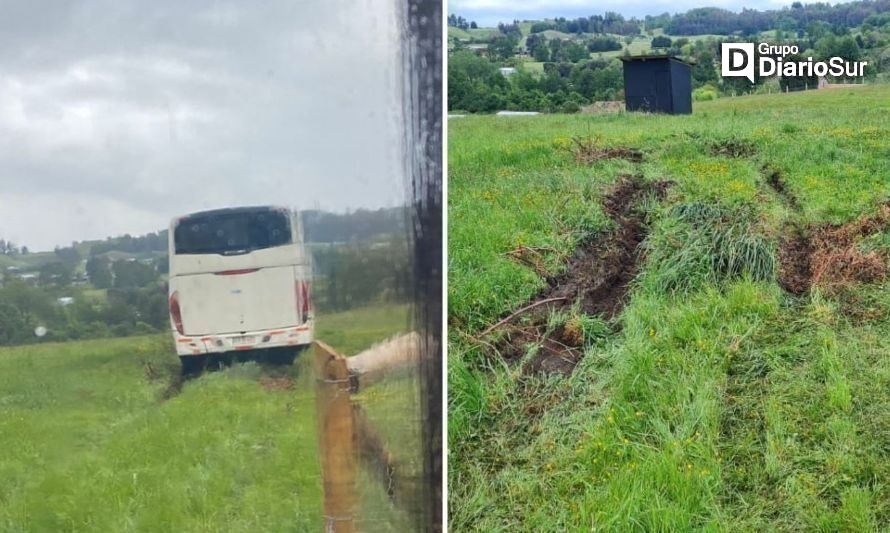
point(233, 210)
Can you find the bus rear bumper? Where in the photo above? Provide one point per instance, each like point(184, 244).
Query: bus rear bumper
point(251, 340)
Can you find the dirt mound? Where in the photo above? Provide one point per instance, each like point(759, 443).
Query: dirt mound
point(586, 152)
point(733, 148)
point(828, 256)
point(598, 276)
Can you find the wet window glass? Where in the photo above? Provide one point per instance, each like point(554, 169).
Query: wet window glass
point(232, 232)
point(220, 250)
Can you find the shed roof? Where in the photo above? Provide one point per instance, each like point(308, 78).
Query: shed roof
point(656, 56)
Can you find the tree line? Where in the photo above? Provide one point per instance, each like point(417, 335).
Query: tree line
point(610, 22)
point(797, 18)
point(476, 85)
point(461, 23)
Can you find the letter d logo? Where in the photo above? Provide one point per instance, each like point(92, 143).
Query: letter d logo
point(737, 59)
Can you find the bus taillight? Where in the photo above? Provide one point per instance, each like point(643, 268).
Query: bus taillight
point(176, 313)
point(307, 302)
point(301, 291)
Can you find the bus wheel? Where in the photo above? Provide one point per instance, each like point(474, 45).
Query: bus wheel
point(281, 356)
point(192, 365)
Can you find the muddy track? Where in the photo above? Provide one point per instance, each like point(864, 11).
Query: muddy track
point(272, 378)
point(602, 268)
point(829, 255)
point(777, 183)
point(598, 276)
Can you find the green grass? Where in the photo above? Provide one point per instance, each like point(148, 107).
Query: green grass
point(91, 444)
point(350, 332)
point(721, 402)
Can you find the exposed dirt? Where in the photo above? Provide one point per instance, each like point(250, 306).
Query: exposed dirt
point(174, 388)
point(597, 276)
point(775, 181)
point(829, 256)
point(601, 269)
point(795, 272)
point(733, 148)
point(586, 152)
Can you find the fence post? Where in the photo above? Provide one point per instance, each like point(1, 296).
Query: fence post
point(336, 439)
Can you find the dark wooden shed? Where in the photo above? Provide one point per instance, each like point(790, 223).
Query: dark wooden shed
point(657, 84)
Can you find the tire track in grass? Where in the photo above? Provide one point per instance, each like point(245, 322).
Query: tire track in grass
point(596, 279)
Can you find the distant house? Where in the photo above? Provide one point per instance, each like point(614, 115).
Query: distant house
point(479, 49)
point(517, 113)
point(657, 84)
point(65, 300)
point(507, 71)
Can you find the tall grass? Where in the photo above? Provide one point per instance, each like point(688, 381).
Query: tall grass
point(696, 244)
point(721, 404)
point(91, 442)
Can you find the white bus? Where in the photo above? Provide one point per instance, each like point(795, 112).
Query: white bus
point(239, 286)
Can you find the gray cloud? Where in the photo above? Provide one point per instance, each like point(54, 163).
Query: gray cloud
point(116, 116)
point(490, 12)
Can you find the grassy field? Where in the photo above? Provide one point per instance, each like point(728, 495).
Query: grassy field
point(716, 399)
point(95, 438)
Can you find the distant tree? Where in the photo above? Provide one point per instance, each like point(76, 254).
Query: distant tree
point(99, 272)
point(704, 71)
point(25, 250)
point(603, 44)
point(537, 47)
point(502, 48)
point(15, 327)
point(69, 256)
point(539, 27)
point(661, 41)
point(511, 30)
point(133, 274)
point(55, 273)
point(163, 264)
point(473, 25)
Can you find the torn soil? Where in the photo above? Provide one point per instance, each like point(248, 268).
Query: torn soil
point(829, 255)
point(586, 152)
point(775, 181)
point(597, 277)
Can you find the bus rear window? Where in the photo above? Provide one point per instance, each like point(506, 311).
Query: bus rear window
point(232, 232)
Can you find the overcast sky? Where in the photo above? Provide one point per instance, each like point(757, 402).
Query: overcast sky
point(490, 12)
point(117, 115)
